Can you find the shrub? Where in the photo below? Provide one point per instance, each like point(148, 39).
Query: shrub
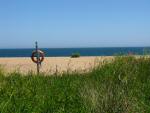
point(146, 51)
point(75, 55)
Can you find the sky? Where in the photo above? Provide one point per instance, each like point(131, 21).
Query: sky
point(74, 23)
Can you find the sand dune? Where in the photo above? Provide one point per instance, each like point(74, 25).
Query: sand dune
point(51, 64)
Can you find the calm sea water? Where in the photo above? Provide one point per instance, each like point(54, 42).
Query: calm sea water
point(55, 52)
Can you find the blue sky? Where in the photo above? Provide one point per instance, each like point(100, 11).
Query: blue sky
point(74, 23)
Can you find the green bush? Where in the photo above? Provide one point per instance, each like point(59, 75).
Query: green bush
point(75, 55)
point(146, 51)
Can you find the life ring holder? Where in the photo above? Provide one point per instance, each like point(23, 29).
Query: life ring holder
point(41, 56)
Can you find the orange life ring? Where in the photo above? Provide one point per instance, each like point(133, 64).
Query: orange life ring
point(41, 56)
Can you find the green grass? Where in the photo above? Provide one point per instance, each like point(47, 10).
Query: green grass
point(122, 86)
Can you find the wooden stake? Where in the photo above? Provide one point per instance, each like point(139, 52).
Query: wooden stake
point(37, 57)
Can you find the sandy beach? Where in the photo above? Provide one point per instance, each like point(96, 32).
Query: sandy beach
point(51, 64)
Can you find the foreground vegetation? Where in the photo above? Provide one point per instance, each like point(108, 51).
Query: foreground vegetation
point(122, 86)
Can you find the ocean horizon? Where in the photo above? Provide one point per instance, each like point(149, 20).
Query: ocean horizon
point(85, 51)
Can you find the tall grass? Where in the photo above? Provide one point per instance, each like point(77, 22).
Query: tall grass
point(122, 86)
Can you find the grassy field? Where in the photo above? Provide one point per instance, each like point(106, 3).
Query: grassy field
point(122, 86)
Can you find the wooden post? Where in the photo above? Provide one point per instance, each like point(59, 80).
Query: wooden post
point(37, 57)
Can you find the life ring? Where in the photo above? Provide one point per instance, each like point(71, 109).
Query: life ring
point(41, 56)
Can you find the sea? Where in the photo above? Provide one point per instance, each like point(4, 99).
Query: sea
point(92, 51)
